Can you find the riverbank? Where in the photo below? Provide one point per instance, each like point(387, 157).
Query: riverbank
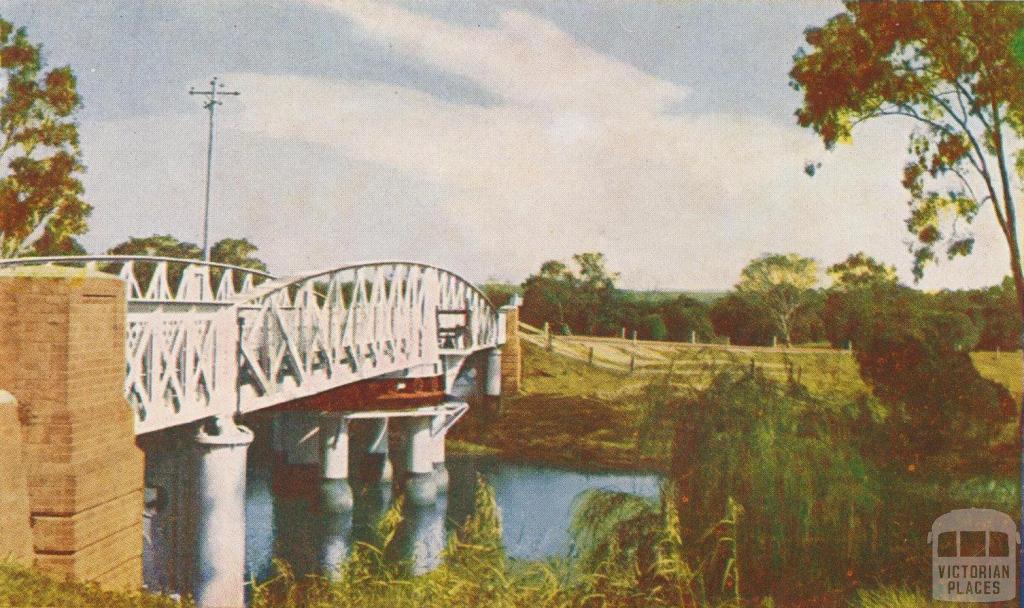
point(573, 414)
point(27, 587)
point(569, 415)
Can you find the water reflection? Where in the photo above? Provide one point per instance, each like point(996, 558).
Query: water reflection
point(288, 520)
point(421, 536)
point(371, 501)
point(335, 540)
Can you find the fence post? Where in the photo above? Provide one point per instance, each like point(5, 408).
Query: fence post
point(693, 336)
point(634, 337)
point(623, 332)
point(551, 343)
point(775, 341)
point(632, 363)
point(590, 358)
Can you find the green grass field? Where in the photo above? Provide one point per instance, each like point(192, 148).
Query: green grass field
point(582, 407)
point(1004, 368)
point(817, 366)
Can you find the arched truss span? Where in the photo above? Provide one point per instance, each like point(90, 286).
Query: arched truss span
point(206, 339)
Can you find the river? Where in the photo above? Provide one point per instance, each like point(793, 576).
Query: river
point(284, 519)
point(535, 504)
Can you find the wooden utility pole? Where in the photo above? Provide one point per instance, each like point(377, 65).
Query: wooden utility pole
point(211, 104)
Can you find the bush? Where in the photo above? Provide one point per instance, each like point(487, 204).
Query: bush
point(791, 460)
point(742, 321)
point(653, 328)
point(914, 355)
point(685, 316)
point(21, 586)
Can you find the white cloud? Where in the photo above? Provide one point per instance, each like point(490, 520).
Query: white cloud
point(581, 152)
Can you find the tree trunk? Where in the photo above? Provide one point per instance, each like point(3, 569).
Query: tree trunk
point(784, 327)
point(1018, 282)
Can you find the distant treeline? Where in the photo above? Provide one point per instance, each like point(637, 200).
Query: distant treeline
point(778, 299)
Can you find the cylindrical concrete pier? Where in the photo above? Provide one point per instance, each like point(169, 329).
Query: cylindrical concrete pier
point(220, 534)
point(334, 446)
point(438, 456)
point(335, 491)
point(493, 385)
point(418, 460)
point(335, 538)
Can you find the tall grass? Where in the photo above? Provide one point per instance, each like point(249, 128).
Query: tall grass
point(632, 554)
point(617, 568)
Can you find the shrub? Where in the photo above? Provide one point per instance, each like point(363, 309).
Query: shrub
point(791, 461)
point(914, 355)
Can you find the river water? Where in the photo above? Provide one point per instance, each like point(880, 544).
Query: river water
point(284, 519)
point(535, 504)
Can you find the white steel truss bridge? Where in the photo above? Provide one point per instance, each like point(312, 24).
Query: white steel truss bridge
point(205, 339)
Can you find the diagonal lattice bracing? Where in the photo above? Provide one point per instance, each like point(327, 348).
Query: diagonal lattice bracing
point(206, 339)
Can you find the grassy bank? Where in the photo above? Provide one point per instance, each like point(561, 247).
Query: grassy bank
point(538, 586)
point(582, 408)
point(20, 586)
point(569, 414)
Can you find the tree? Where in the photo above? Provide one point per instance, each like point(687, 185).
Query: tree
point(949, 69)
point(546, 295)
point(652, 327)
point(595, 291)
point(782, 284)
point(860, 270)
point(741, 320)
point(685, 316)
point(236, 252)
point(996, 312)
point(499, 292)
point(912, 349)
point(159, 245)
point(41, 208)
point(585, 301)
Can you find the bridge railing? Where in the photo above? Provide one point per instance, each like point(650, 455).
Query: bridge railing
point(180, 333)
point(161, 279)
point(304, 335)
point(207, 339)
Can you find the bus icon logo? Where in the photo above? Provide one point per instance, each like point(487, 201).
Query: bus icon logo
point(974, 556)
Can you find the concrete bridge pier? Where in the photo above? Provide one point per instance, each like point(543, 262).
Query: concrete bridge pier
point(441, 478)
point(220, 531)
point(492, 386)
point(418, 460)
point(335, 491)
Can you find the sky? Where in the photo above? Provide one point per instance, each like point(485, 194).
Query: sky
point(485, 137)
